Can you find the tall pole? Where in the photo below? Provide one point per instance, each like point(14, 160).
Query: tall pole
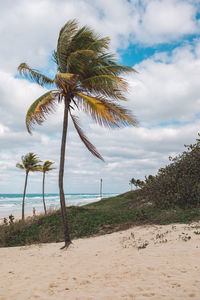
point(101, 180)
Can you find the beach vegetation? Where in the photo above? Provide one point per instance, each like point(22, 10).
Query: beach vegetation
point(102, 217)
point(177, 184)
point(197, 232)
point(143, 246)
point(137, 182)
point(30, 163)
point(89, 79)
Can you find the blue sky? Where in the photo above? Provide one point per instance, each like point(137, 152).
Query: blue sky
point(159, 38)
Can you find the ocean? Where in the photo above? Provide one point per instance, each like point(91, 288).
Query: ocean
point(12, 203)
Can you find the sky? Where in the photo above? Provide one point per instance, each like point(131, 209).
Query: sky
point(158, 38)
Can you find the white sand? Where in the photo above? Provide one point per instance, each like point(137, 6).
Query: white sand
point(107, 267)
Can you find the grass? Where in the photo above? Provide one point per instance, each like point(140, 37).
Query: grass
point(105, 216)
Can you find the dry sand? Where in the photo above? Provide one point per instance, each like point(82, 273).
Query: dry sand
point(107, 267)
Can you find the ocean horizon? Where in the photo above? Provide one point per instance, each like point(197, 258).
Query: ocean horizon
point(12, 203)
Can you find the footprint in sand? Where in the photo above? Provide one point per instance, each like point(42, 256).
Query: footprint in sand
point(53, 285)
point(85, 282)
point(148, 294)
point(191, 295)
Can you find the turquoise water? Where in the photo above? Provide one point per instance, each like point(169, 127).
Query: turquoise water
point(11, 203)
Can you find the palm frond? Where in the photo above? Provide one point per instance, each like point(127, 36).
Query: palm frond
point(86, 38)
point(64, 42)
point(99, 45)
point(47, 166)
point(32, 74)
point(39, 109)
point(77, 60)
point(105, 112)
point(35, 168)
point(121, 115)
point(84, 139)
point(96, 109)
point(115, 70)
point(107, 85)
point(20, 166)
point(63, 80)
point(30, 162)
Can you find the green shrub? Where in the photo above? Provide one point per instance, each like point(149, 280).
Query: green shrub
point(178, 184)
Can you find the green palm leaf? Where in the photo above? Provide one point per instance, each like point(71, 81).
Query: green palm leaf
point(30, 162)
point(107, 85)
point(84, 139)
point(20, 166)
point(116, 70)
point(41, 79)
point(94, 107)
point(64, 80)
point(47, 166)
point(64, 42)
point(39, 109)
point(105, 112)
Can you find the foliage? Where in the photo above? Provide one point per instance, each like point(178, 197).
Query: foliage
point(30, 162)
point(178, 184)
point(11, 219)
point(137, 182)
point(47, 166)
point(105, 216)
point(88, 79)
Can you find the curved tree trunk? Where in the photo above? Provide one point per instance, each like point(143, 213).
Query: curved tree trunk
point(61, 174)
point(24, 195)
point(45, 210)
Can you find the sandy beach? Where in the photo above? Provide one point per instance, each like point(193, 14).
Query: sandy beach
point(145, 262)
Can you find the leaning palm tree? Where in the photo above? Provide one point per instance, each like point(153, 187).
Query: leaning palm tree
point(46, 167)
point(87, 79)
point(30, 162)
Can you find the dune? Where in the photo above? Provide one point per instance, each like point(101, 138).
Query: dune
point(144, 262)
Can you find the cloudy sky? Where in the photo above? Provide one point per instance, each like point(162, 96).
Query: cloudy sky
point(159, 38)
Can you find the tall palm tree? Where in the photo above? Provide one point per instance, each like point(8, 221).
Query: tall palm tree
point(30, 162)
point(46, 167)
point(87, 79)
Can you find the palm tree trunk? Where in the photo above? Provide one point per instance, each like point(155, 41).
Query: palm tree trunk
point(24, 195)
point(61, 174)
point(45, 210)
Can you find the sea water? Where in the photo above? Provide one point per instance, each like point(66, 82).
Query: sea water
point(12, 203)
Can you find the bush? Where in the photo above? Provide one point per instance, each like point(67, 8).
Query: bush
point(178, 184)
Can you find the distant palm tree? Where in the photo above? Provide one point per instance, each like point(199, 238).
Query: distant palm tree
point(46, 167)
point(137, 182)
point(30, 162)
point(87, 79)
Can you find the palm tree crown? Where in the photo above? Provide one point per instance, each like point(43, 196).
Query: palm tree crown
point(88, 77)
point(30, 162)
point(46, 167)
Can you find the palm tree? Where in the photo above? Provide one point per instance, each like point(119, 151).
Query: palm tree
point(46, 167)
point(87, 79)
point(133, 182)
point(30, 162)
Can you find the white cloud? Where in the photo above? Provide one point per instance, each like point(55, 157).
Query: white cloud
point(167, 20)
point(29, 29)
point(166, 89)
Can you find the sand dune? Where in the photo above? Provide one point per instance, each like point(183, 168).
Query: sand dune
point(147, 262)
